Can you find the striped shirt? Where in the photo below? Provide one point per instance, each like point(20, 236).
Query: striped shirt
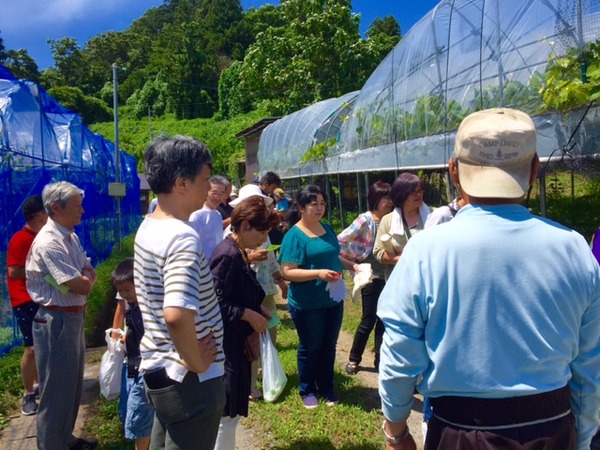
point(57, 253)
point(170, 271)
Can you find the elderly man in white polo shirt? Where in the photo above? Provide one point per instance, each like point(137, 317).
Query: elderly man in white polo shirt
point(59, 278)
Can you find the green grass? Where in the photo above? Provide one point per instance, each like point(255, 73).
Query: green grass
point(104, 424)
point(11, 387)
point(285, 424)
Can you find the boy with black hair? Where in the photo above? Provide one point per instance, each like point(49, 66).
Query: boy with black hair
point(135, 412)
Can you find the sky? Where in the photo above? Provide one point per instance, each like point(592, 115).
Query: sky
point(29, 24)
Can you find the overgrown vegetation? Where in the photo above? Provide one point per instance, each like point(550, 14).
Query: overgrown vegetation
point(219, 136)
point(101, 301)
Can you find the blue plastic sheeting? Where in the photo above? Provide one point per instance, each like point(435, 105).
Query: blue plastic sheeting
point(42, 142)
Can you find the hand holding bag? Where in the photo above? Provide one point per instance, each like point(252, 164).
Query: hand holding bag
point(111, 367)
point(252, 347)
point(274, 377)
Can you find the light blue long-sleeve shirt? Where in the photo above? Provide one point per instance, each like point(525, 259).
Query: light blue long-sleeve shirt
point(496, 303)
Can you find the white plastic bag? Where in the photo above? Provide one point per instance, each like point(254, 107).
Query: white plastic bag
point(337, 289)
point(273, 375)
point(363, 277)
point(111, 367)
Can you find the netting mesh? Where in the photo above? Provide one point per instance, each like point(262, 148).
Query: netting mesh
point(42, 142)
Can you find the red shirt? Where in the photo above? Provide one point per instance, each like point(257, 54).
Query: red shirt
point(18, 247)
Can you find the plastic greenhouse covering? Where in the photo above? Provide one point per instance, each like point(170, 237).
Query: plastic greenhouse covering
point(284, 143)
point(463, 56)
point(43, 142)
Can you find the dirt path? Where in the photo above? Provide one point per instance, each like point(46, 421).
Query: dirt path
point(369, 378)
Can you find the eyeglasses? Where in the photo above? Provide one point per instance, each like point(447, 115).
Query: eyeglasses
point(419, 191)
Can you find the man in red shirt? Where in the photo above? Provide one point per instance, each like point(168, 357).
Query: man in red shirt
point(24, 308)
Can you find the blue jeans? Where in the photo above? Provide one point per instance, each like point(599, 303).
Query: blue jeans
point(318, 331)
point(135, 412)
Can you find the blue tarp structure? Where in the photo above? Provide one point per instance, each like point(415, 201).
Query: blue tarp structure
point(42, 142)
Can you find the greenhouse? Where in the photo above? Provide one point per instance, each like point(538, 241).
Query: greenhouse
point(42, 142)
point(299, 137)
point(463, 56)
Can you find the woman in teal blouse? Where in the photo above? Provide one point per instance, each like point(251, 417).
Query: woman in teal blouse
point(310, 260)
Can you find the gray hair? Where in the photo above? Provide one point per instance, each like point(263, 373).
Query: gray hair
point(59, 193)
point(220, 180)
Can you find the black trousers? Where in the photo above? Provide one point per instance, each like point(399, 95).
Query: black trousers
point(460, 423)
point(596, 441)
point(370, 297)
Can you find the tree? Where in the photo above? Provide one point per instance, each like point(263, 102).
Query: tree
point(19, 63)
point(151, 99)
point(388, 26)
point(232, 100)
point(89, 108)
point(313, 52)
point(2, 48)
point(69, 62)
point(100, 53)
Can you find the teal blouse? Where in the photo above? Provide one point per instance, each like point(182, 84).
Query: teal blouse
point(322, 252)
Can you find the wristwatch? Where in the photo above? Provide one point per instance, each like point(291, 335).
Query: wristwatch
point(395, 440)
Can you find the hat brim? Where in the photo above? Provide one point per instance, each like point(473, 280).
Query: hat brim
point(494, 182)
point(268, 200)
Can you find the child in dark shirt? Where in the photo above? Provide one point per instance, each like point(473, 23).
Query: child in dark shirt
point(135, 412)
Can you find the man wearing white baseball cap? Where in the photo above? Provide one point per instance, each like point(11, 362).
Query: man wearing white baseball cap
point(498, 310)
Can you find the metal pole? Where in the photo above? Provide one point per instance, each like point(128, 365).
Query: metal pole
point(117, 155)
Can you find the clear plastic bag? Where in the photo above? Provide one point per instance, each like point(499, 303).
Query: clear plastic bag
point(111, 367)
point(273, 375)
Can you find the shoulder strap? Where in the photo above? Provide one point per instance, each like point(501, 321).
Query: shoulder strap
point(406, 227)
